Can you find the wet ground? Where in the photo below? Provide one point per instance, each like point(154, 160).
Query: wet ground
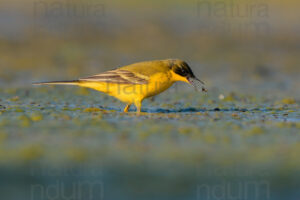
point(185, 142)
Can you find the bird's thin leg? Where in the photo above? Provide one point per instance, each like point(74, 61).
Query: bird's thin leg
point(126, 108)
point(138, 105)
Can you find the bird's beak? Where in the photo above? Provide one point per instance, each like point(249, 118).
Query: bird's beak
point(193, 81)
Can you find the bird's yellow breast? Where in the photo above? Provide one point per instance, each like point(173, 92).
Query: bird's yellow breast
point(130, 93)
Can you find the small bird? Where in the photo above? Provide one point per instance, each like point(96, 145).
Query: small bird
point(133, 83)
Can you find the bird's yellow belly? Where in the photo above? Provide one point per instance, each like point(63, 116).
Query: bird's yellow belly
point(131, 93)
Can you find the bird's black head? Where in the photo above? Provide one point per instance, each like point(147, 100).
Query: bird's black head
point(185, 73)
point(183, 69)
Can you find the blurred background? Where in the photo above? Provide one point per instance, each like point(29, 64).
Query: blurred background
point(70, 143)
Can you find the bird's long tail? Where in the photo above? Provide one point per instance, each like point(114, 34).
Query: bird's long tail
point(72, 82)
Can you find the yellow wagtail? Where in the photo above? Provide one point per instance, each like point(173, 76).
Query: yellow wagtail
point(133, 83)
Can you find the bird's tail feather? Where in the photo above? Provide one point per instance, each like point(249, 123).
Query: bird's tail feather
point(72, 82)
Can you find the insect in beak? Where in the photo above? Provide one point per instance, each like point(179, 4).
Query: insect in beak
point(193, 80)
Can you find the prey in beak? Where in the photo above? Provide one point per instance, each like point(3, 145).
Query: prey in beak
point(193, 80)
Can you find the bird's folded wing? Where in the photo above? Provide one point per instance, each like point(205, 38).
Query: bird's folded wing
point(118, 76)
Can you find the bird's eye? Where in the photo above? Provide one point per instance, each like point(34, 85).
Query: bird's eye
point(183, 72)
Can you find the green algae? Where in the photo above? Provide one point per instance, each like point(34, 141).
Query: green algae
point(101, 121)
point(57, 126)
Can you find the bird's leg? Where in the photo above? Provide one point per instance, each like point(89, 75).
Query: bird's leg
point(126, 108)
point(138, 105)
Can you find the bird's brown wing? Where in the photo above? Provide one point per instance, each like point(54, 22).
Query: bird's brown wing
point(118, 76)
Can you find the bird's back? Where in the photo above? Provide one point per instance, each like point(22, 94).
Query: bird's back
point(149, 68)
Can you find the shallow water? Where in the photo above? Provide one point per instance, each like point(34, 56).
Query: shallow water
point(60, 137)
